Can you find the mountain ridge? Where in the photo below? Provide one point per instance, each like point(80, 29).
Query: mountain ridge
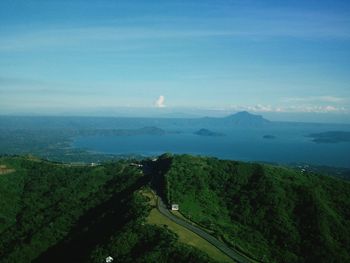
point(273, 213)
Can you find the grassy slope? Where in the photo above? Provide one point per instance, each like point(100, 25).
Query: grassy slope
point(185, 235)
point(274, 214)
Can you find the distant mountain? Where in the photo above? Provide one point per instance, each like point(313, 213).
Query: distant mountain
point(245, 118)
point(206, 132)
point(240, 119)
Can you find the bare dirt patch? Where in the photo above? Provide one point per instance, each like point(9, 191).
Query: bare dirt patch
point(5, 170)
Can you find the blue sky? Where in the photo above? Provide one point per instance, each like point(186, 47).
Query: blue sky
point(170, 56)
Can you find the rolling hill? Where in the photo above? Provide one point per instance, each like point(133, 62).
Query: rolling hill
point(274, 214)
point(54, 212)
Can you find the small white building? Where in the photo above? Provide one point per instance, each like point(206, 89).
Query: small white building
point(136, 165)
point(175, 207)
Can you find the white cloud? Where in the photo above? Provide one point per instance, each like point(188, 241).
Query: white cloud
point(260, 108)
point(159, 103)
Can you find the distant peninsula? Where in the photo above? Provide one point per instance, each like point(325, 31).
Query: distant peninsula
point(330, 137)
point(206, 132)
point(125, 132)
point(269, 136)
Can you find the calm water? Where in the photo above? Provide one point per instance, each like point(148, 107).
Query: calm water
point(289, 146)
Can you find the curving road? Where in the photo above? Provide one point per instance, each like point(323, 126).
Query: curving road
point(218, 244)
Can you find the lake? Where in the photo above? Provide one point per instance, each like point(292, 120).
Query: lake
point(289, 146)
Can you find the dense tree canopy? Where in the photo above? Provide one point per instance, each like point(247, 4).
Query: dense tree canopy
point(52, 212)
point(272, 213)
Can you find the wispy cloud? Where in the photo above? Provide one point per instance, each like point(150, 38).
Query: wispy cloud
point(291, 109)
point(314, 109)
point(253, 24)
point(159, 103)
point(332, 99)
point(110, 38)
point(20, 85)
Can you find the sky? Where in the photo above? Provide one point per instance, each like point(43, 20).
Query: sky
point(279, 58)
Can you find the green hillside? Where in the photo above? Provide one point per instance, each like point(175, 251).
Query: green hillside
point(59, 213)
point(51, 212)
point(271, 213)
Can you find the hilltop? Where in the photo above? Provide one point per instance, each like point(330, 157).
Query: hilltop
point(272, 213)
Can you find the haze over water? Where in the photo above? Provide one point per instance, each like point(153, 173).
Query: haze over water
point(289, 146)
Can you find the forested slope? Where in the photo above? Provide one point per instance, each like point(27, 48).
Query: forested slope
point(272, 213)
point(59, 213)
point(52, 212)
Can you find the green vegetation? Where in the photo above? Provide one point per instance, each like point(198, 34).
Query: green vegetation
point(340, 172)
point(55, 144)
point(51, 138)
point(148, 244)
point(185, 236)
point(51, 212)
point(274, 214)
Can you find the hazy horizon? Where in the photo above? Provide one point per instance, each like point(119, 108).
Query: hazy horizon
point(287, 60)
point(336, 118)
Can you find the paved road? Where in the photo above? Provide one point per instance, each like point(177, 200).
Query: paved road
point(218, 244)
